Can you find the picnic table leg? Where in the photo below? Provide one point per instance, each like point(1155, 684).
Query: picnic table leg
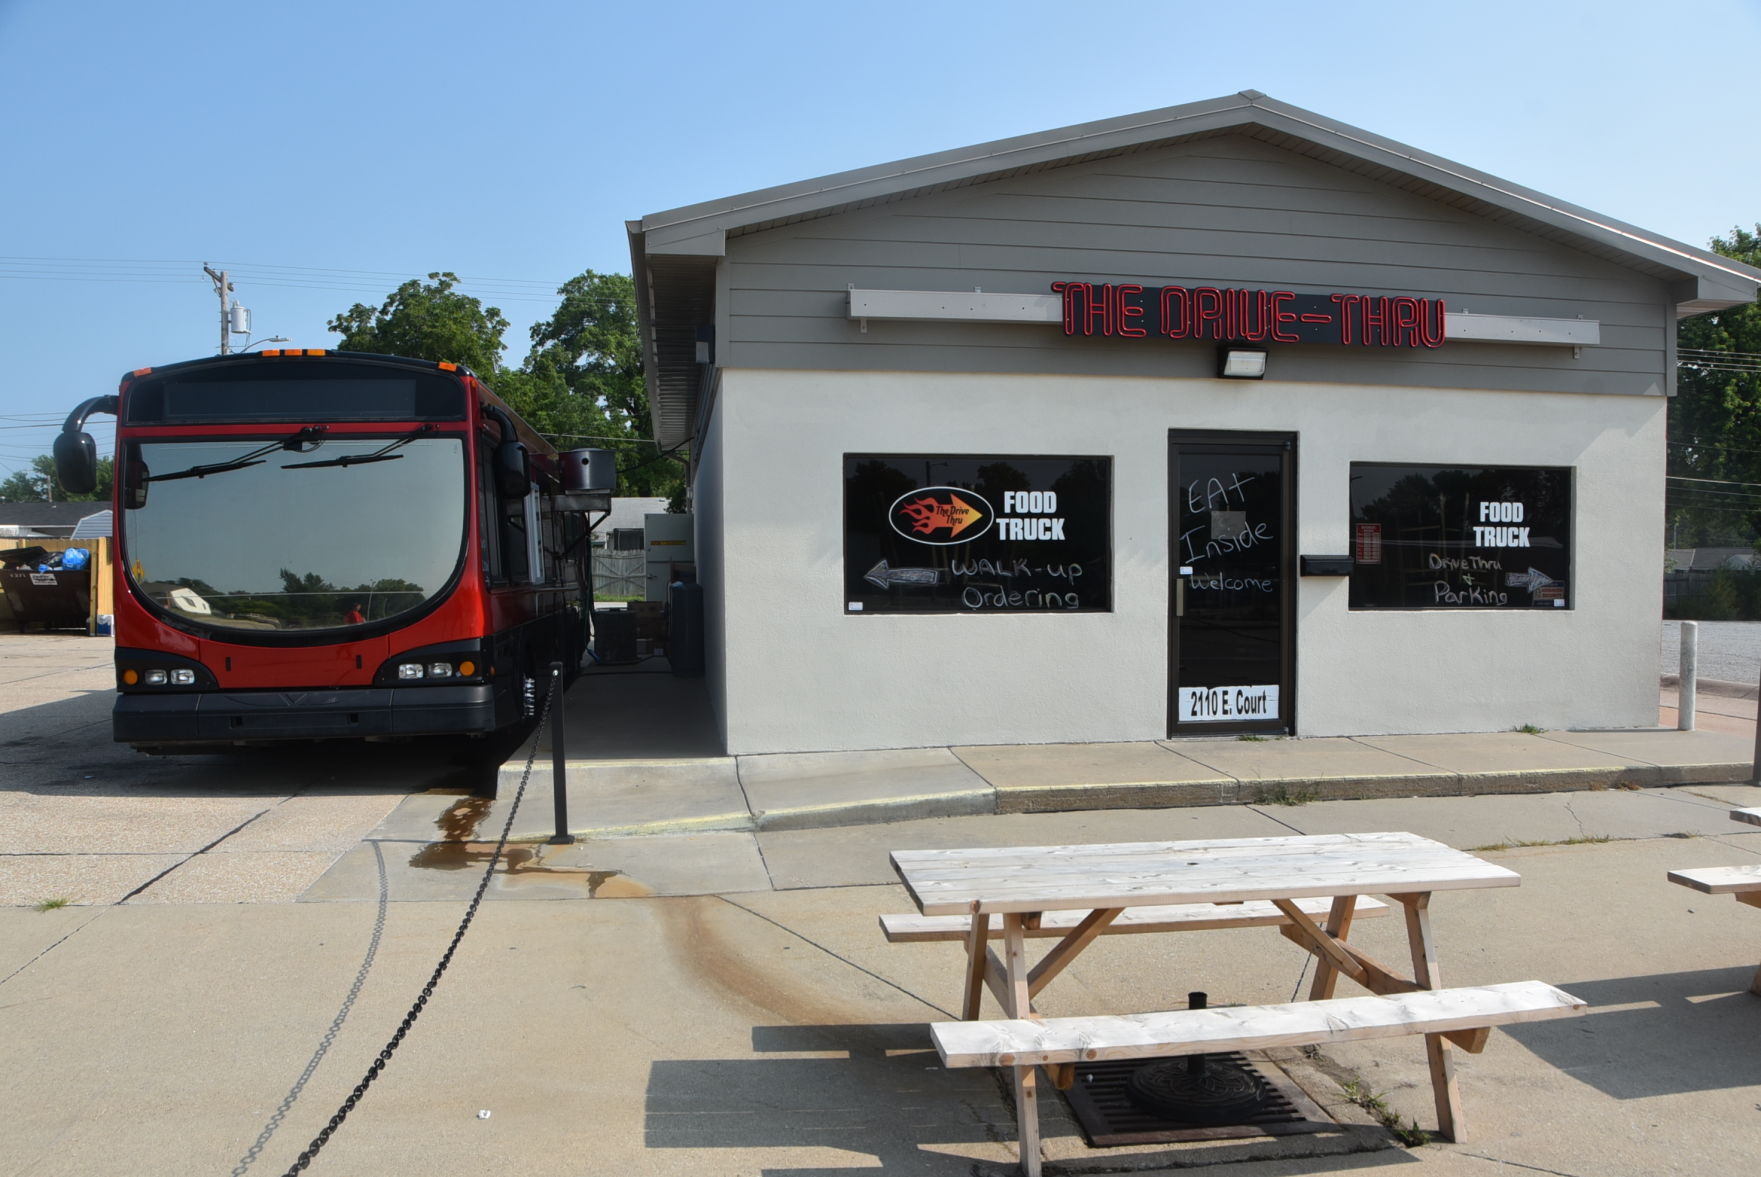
point(1018, 1005)
point(1338, 926)
point(1755, 985)
point(978, 931)
point(1425, 971)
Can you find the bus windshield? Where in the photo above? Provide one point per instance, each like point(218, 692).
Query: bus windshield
point(238, 535)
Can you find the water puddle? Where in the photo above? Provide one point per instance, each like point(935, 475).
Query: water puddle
point(460, 821)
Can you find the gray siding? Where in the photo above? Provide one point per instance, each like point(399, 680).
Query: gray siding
point(1226, 211)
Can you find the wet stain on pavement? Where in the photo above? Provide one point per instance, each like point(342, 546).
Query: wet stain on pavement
point(741, 958)
point(526, 866)
point(460, 821)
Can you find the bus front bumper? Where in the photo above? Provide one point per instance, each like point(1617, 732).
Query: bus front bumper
point(221, 717)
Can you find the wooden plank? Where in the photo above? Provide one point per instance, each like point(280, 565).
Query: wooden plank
point(1056, 878)
point(1369, 972)
point(1339, 919)
point(1022, 1042)
point(1444, 1089)
point(1752, 816)
point(977, 954)
point(1067, 949)
point(911, 928)
point(1720, 880)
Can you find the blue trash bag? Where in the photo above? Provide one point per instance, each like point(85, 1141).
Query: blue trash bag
point(74, 558)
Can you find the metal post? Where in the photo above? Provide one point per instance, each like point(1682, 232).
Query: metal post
point(559, 777)
point(1684, 692)
point(1755, 772)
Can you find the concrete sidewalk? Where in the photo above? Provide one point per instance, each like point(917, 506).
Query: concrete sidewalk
point(699, 987)
point(707, 1024)
point(643, 759)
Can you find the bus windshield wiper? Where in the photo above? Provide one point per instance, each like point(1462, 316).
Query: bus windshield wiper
point(293, 441)
point(383, 454)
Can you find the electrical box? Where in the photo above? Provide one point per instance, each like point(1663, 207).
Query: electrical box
point(1324, 565)
point(670, 540)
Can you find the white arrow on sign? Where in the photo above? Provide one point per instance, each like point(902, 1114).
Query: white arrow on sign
point(883, 577)
point(1532, 580)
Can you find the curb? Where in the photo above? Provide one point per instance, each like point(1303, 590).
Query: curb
point(1066, 798)
point(1715, 686)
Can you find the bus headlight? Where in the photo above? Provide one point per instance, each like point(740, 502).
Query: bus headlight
point(451, 664)
point(155, 670)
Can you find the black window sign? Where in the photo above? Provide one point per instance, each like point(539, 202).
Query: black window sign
point(1460, 537)
point(965, 533)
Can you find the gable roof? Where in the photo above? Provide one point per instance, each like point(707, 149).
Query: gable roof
point(673, 252)
point(45, 515)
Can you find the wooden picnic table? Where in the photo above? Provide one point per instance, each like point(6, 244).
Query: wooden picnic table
point(1020, 883)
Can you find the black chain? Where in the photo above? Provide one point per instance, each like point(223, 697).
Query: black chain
point(348, 1105)
point(342, 1014)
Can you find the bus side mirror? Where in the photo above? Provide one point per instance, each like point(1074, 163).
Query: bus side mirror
point(513, 474)
point(76, 455)
point(76, 462)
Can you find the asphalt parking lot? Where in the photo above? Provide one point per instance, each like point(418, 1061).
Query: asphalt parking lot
point(85, 821)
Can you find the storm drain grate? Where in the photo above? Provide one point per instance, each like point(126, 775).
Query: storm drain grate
point(1109, 1116)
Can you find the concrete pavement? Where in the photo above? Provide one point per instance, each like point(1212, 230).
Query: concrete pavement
point(643, 758)
point(702, 989)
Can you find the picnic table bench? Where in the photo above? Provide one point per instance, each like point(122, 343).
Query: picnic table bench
point(1311, 887)
point(1741, 882)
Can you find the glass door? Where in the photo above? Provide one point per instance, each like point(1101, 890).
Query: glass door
point(1231, 507)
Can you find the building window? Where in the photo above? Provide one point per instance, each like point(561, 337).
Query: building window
point(1460, 537)
point(968, 533)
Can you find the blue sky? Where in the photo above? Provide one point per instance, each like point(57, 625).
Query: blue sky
point(325, 151)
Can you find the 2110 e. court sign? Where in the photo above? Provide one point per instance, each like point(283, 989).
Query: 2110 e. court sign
point(1130, 311)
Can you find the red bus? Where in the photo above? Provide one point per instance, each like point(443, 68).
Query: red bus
point(319, 545)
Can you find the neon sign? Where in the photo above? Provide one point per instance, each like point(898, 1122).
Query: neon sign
point(1131, 311)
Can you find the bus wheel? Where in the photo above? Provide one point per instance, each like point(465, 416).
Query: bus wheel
point(479, 759)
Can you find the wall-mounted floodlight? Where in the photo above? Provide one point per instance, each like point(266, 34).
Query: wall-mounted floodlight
point(1241, 363)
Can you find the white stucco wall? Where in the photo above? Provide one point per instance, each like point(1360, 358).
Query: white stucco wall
point(798, 673)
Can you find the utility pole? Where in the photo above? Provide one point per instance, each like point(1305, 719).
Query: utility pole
point(222, 287)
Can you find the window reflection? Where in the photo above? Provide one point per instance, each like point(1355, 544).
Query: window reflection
point(267, 548)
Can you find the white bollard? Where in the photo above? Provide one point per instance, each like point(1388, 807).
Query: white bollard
point(1684, 700)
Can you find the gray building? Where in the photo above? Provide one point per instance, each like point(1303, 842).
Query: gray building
point(1224, 418)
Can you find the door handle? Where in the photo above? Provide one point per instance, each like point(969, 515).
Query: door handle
point(1180, 592)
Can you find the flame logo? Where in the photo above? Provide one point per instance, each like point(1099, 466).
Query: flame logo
point(941, 515)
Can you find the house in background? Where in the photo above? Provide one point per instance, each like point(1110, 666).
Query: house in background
point(46, 520)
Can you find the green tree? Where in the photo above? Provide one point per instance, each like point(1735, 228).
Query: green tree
point(39, 484)
point(1715, 420)
point(581, 385)
point(593, 344)
point(428, 321)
